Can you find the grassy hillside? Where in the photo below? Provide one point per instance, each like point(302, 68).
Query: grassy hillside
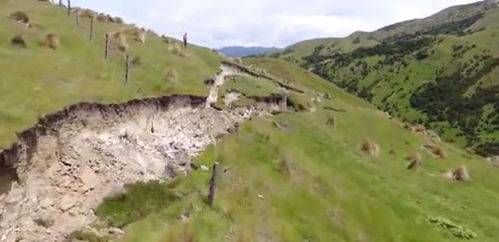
point(302, 177)
point(37, 80)
point(440, 72)
point(332, 168)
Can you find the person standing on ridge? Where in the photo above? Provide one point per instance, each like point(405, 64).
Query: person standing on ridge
point(185, 40)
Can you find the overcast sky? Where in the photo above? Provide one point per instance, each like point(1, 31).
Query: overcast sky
point(217, 23)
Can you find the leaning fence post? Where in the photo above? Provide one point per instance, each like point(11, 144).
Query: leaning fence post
point(91, 34)
point(69, 7)
point(127, 68)
point(213, 184)
point(106, 50)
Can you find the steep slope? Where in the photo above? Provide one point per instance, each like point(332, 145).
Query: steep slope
point(37, 80)
point(440, 72)
point(302, 176)
point(299, 158)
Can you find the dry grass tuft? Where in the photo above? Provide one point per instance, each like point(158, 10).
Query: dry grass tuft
point(434, 151)
point(18, 40)
point(331, 121)
point(51, 41)
point(434, 136)
point(177, 50)
point(459, 174)
point(102, 17)
point(171, 75)
point(419, 129)
point(86, 13)
point(370, 148)
point(118, 40)
point(20, 16)
point(415, 159)
point(138, 35)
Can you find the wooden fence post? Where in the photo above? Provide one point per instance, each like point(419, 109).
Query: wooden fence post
point(60, 3)
point(213, 185)
point(69, 7)
point(91, 34)
point(127, 68)
point(77, 20)
point(106, 50)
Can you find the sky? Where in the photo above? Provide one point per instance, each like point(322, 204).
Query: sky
point(279, 23)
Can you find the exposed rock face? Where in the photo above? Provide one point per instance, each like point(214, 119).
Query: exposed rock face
point(93, 156)
point(68, 163)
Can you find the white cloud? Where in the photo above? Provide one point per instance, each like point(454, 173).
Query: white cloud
point(217, 23)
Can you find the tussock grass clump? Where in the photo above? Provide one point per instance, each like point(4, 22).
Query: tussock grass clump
point(138, 35)
point(18, 40)
point(118, 41)
point(136, 61)
point(116, 20)
point(331, 121)
point(434, 151)
point(86, 13)
point(434, 136)
point(102, 17)
point(420, 129)
point(20, 16)
point(459, 174)
point(171, 75)
point(177, 50)
point(51, 41)
point(415, 159)
point(370, 148)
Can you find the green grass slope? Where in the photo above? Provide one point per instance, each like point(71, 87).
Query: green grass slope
point(295, 176)
point(310, 182)
point(37, 80)
point(360, 39)
point(442, 75)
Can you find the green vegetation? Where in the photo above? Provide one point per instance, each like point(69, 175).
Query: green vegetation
point(37, 80)
point(250, 86)
point(456, 230)
point(312, 182)
point(296, 176)
point(442, 74)
point(139, 200)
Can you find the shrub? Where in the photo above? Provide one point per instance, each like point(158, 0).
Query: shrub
point(20, 16)
point(177, 50)
point(51, 41)
point(18, 40)
point(370, 148)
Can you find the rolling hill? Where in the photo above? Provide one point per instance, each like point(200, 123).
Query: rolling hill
point(86, 156)
point(241, 51)
point(440, 71)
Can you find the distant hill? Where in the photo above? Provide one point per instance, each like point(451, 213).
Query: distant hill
point(241, 51)
point(441, 71)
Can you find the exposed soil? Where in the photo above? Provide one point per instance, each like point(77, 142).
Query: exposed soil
point(70, 161)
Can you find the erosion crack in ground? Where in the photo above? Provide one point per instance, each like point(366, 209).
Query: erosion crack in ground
point(65, 173)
